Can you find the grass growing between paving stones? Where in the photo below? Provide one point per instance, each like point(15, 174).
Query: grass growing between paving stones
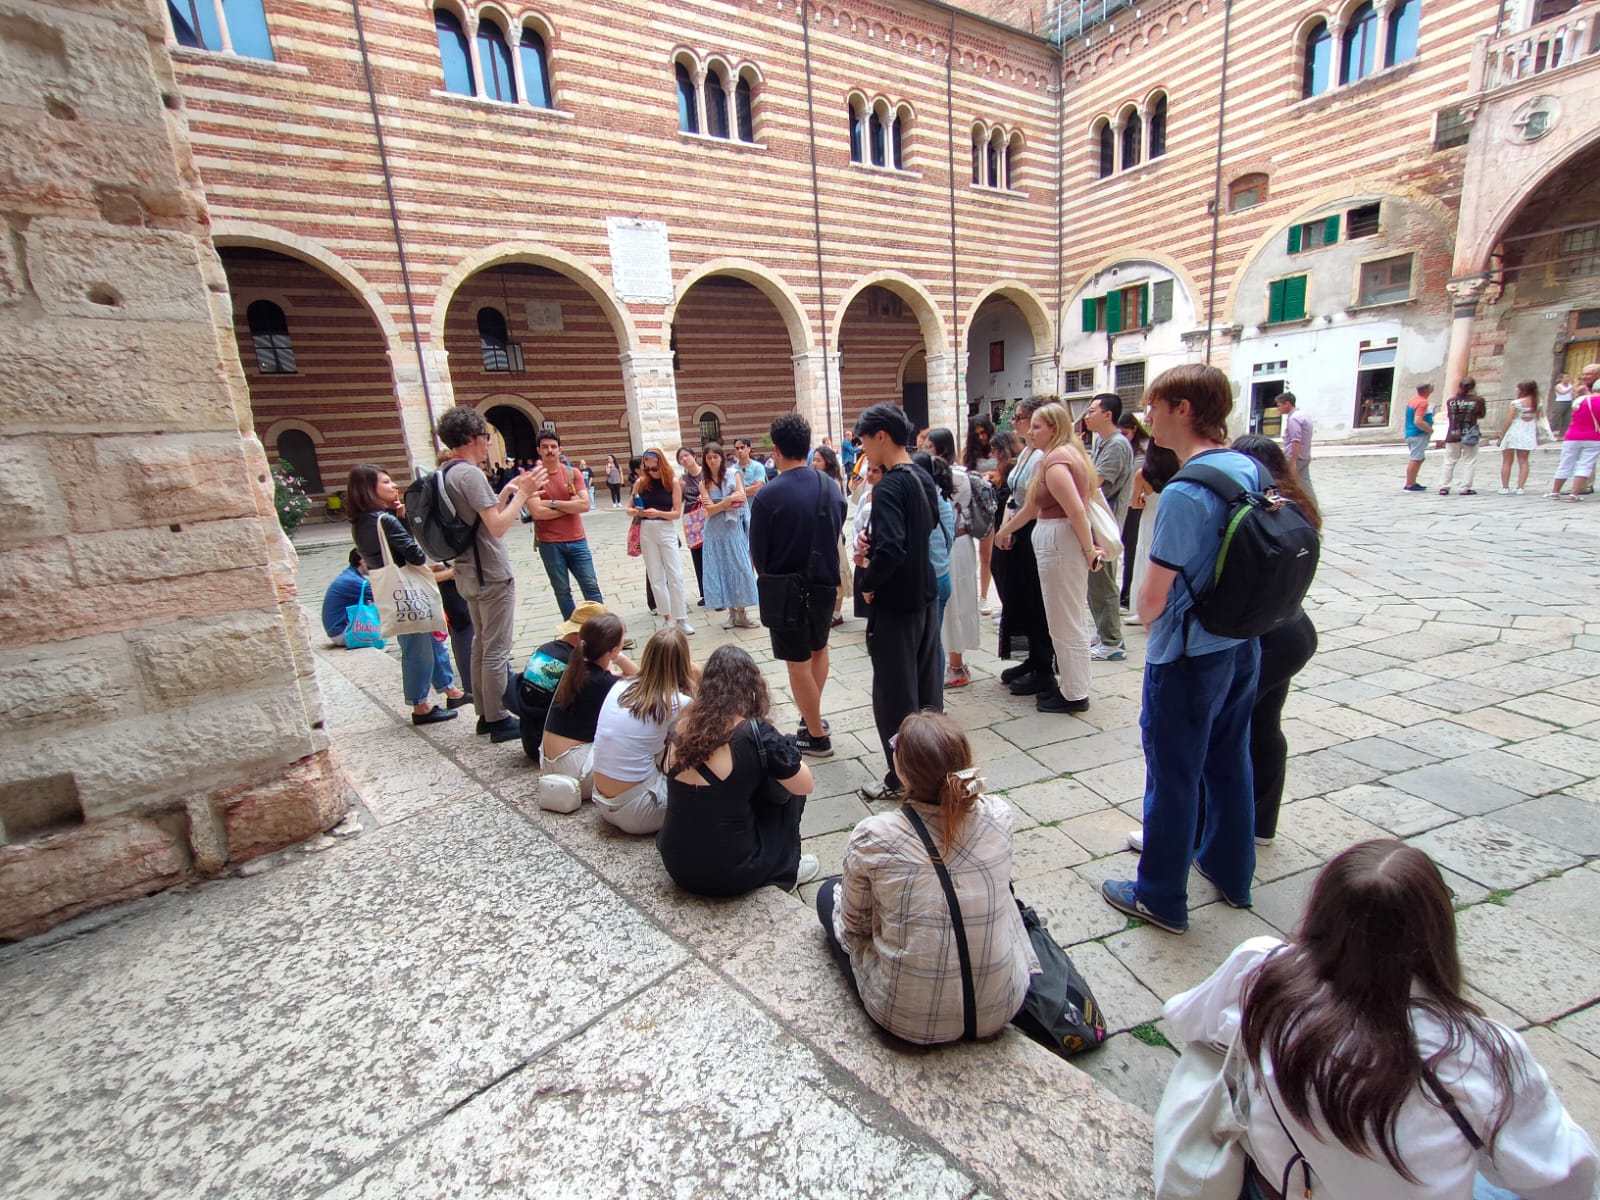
point(1151, 1036)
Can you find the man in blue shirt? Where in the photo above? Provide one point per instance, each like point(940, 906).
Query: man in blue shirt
point(1198, 688)
point(345, 590)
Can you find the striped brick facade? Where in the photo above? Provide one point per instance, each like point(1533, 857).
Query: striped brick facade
point(775, 243)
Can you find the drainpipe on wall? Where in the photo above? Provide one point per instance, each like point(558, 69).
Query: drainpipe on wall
point(394, 216)
point(957, 359)
point(816, 222)
point(1061, 208)
point(1216, 180)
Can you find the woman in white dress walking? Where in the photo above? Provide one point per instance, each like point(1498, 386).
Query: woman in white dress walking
point(1520, 435)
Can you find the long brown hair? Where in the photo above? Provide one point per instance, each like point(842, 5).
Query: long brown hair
point(598, 637)
point(667, 475)
point(706, 451)
point(1332, 1011)
point(361, 490)
point(930, 752)
point(1530, 389)
point(731, 691)
point(663, 674)
point(1284, 477)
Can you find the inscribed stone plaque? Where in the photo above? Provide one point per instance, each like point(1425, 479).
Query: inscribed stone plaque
point(544, 316)
point(641, 263)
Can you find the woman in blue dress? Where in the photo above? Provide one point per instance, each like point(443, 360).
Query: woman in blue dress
point(730, 580)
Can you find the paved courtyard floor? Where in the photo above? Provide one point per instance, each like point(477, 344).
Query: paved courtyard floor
point(457, 993)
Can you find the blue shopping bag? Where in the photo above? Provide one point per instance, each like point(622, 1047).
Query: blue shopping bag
point(366, 623)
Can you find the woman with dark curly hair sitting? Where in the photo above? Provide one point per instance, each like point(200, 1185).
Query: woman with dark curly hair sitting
point(736, 788)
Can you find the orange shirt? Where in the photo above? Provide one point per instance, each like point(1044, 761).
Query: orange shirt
point(568, 527)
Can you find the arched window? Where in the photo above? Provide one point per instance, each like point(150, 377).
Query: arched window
point(1132, 140)
point(1013, 153)
point(1158, 127)
point(1358, 53)
point(875, 138)
point(992, 173)
point(194, 24)
point(1107, 146)
point(710, 427)
point(977, 157)
point(897, 140)
point(494, 60)
point(535, 68)
point(716, 105)
point(269, 333)
point(454, 56)
point(494, 340)
point(1404, 19)
point(1247, 191)
point(858, 133)
point(744, 109)
point(1319, 61)
point(298, 453)
point(688, 109)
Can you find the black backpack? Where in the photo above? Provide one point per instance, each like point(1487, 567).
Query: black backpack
point(433, 520)
point(1268, 556)
point(980, 513)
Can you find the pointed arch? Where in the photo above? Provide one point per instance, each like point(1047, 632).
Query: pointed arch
point(935, 335)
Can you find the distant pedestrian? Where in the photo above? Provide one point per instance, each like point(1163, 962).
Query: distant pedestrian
point(1296, 439)
point(694, 516)
point(959, 629)
point(485, 577)
point(1016, 572)
point(1419, 432)
point(1561, 405)
point(897, 580)
point(1463, 410)
point(1128, 425)
point(1519, 436)
point(794, 528)
point(558, 509)
point(825, 460)
point(978, 457)
point(730, 580)
point(752, 470)
point(1581, 444)
point(614, 480)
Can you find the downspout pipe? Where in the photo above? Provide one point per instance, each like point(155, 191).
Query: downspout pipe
point(957, 359)
point(394, 216)
point(816, 219)
point(1061, 211)
point(1216, 179)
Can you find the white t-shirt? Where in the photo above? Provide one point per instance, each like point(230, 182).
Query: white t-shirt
point(625, 747)
point(1541, 1153)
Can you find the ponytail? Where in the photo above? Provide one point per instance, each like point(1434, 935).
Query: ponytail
point(934, 757)
point(598, 637)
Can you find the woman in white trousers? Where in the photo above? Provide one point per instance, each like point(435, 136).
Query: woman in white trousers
point(658, 503)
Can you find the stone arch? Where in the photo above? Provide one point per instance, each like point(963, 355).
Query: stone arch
point(935, 336)
point(1473, 254)
point(784, 298)
point(257, 236)
point(539, 255)
point(270, 437)
point(1141, 254)
point(1028, 303)
point(506, 400)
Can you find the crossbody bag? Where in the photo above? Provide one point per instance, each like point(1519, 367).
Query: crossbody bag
point(969, 996)
point(784, 601)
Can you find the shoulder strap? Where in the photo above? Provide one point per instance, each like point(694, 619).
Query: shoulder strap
point(761, 749)
point(1214, 480)
point(1297, 1157)
point(1449, 1103)
point(969, 998)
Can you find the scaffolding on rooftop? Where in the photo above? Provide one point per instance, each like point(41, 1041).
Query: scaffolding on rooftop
point(1068, 19)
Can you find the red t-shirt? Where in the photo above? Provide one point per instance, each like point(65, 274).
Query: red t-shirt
point(568, 527)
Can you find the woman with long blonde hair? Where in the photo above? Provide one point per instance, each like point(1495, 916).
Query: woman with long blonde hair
point(657, 505)
point(629, 788)
point(1064, 546)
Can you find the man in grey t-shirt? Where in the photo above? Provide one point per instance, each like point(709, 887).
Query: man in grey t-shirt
point(483, 575)
point(1113, 462)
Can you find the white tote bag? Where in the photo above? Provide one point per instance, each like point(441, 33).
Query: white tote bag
point(407, 596)
point(1198, 1146)
point(1107, 533)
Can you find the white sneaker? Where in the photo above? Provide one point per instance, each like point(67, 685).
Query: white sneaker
point(1505, 491)
point(1517, 492)
point(810, 868)
point(1136, 841)
point(687, 628)
point(986, 608)
point(1260, 841)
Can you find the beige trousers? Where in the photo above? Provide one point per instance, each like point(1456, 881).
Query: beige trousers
point(1064, 580)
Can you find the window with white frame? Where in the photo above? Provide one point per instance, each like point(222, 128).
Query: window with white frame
point(880, 132)
point(996, 157)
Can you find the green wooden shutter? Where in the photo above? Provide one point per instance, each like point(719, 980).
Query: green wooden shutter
point(1294, 298)
point(1275, 301)
point(1113, 312)
point(1330, 230)
point(1294, 239)
point(1161, 302)
point(1144, 305)
point(1089, 305)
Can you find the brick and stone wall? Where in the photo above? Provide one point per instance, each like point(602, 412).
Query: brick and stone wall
point(160, 715)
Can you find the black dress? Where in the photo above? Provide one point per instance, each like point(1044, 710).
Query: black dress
point(739, 833)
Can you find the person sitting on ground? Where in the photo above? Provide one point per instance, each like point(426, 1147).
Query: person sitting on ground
point(887, 920)
point(348, 587)
point(629, 788)
point(536, 686)
point(737, 788)
point(567, 747)
point(1368, 1067)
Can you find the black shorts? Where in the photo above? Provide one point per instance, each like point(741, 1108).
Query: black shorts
point(799, 645)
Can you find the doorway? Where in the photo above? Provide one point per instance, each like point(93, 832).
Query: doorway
point(1264, 415)
point(521, 441)
point(914, 390)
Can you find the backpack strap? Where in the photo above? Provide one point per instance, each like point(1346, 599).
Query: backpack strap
point(477, 518)
point(1215, 480)
point(969, 996)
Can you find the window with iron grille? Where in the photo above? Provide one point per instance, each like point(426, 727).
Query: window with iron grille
point(1130, 383)
point(269, 333)
point(1588, 318)
point(500, 353)
point(1579, 256)
point(710, 427)
point(1362, 222)
point(1450, 127)
point(1081, 380)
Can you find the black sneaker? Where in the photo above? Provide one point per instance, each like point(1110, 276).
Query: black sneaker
point(483, 726)
point(815, 747)
point(1012, 674)
point(826, 728)
point(1054, 702)
point(460, 701)
point(506, 729)
point(1031, 685)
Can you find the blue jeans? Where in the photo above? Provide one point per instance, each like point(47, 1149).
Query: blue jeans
point(1195, 726)
point(562, 557)
point(424, 665)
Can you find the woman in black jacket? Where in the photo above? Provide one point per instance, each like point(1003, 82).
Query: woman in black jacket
point(374, 504)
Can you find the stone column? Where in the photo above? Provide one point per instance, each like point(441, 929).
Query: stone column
point(816, 394)
point(652, 397)
point(411, 400)
point(945, 401)
point(1465, 294)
